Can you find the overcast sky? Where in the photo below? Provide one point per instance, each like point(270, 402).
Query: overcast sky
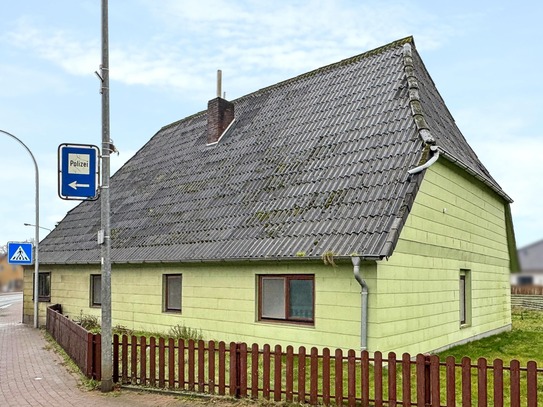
point(485, 58)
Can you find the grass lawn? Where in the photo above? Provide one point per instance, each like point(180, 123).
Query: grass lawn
point(523, 343)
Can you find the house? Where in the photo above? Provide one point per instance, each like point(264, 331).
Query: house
point(531, 265)
point(11, 275)
point(340, 208)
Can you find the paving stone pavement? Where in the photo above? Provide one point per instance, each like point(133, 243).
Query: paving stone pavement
point(32, 374)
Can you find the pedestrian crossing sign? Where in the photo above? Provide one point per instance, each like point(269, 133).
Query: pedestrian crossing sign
point(20, 253)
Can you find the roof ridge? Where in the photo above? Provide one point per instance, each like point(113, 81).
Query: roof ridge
point(401, 42)
point(414, 97)
point(192, 116)
point(355, 58)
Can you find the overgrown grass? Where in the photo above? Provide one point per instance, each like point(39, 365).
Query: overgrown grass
point(523, 343)
point(92, 324)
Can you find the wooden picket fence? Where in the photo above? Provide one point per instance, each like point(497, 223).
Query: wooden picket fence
point(305, 376)
point(315, 377)
point(83, 347)
point(527, 290)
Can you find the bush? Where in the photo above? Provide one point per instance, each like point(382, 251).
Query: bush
point(89, 322)
point(183, 332)
point(122, 330)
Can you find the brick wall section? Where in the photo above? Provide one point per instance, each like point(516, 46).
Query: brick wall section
point(220, 114)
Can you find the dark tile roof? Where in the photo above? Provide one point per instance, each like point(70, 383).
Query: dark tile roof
point(313, 164)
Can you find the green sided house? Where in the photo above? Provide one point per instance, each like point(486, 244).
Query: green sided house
point(341, 208)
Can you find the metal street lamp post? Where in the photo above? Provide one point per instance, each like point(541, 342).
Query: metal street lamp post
point(41, 227)
point(36, 227)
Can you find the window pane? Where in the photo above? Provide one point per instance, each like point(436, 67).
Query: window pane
point(462, 299)
point(273, 298)
point(96, 290)
point(44, 285)
point(301, 299)
point(173, 293)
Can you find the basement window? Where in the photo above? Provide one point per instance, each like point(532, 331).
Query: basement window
point(288, 298)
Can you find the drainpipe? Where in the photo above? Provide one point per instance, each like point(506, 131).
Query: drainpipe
point(364, 307)
point(433, 159)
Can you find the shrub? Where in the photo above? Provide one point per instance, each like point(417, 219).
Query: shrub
point(122, 330)
point(183, 332)
point(89, 322)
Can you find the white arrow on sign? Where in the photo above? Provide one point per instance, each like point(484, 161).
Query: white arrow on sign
point(74, 185)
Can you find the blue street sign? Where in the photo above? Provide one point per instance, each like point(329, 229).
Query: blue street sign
point(19, 253)
point(78, 171)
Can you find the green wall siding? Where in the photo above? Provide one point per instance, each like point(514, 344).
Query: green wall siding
point(220, 300)
point(455, 223)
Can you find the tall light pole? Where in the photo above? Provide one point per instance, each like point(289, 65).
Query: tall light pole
point(41, 227)
point(107, 357)
point(36, 229)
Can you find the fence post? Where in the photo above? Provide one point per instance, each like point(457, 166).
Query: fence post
point(116, 358)
point(427, 378)
point(97, 357)
point(89, 368)
point(235, 370)
point(238, 370)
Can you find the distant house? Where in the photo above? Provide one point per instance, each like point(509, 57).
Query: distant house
point(340, 208)
point(11, 276)
point(531, 265)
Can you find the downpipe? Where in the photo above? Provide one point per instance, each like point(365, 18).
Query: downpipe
point(364, 303)
point(433, 159)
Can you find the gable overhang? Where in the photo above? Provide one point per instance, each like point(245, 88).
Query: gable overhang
point(510, 231)
point(455, 160)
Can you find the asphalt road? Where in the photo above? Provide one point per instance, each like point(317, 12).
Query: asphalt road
point(10, 300)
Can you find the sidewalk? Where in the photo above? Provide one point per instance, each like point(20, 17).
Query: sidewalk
point(31, 374)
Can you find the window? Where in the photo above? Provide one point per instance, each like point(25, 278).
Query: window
point(465, 297)
point(95, 290)
point(172, 292)
point(44, 287)
point(286, 298)
point(525, 280)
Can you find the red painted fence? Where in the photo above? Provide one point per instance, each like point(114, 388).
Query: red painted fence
point(310, 376)
point(82, 346)
point(305, 376)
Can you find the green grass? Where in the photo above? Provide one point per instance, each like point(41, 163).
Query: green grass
point(523, 343)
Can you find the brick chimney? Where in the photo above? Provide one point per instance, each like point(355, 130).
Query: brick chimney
point(220, 113)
